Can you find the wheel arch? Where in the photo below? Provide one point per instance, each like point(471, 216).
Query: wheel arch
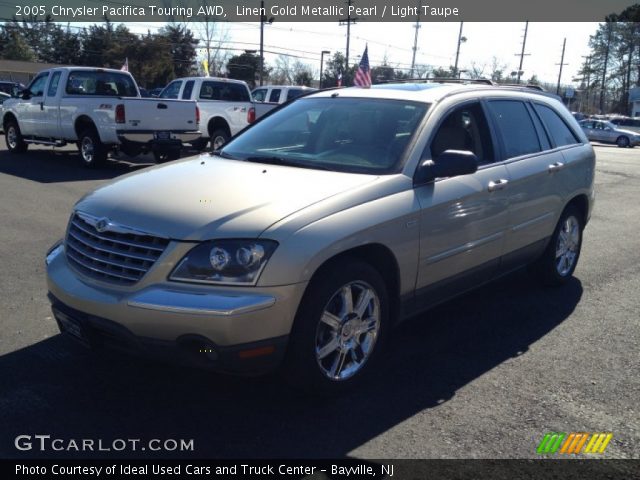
point(217, 122)
point(82, 123)
point(8, 116)
point(581, 202)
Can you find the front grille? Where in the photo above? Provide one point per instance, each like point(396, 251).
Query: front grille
point(111, 256)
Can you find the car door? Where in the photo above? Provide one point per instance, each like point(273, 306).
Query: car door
point(534, 190)
point(51, 114)
point(462, 219)
point(598, 132)
point(31, 111)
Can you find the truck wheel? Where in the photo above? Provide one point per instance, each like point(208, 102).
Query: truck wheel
point(218, 138)
point(559, 260)
point(166, 155)
point(13, 137)
point(622, 142)
point(339, 328)
point(92, 151)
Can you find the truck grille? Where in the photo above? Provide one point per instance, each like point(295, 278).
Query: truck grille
point(111, 255)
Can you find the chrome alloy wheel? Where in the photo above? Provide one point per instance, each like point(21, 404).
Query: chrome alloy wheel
point(567, 245)
point(87, 149)
point(12, 137)
point(217, 142)
point(348, 330)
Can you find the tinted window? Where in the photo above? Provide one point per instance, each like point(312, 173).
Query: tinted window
point(294, 92)
point(53, 84)
point(346, 134)
point(172, 90)
point(259, 95)
point(545, 141)
point(464, 129)
point(188, 88)
point(275, 95)
point(516, 127)
point(101, 83)
point(37, 86)
point(560, 133)
point(228, 92)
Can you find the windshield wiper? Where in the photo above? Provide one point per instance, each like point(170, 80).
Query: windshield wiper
point(220, 153)
point(273, 160)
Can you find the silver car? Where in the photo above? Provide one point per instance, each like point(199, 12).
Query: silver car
point(606, 132)
point(307, 237)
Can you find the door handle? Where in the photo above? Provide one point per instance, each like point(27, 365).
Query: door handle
point(162, 106)
point(555, 167)
point(497, 185)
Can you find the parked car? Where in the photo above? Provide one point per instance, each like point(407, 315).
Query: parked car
point(270, 96)
point(606, 132)
point(627, 123)
point(100, 110)
point(225, 106)
point(309, 235)
point(11, 88)
point(3, 97)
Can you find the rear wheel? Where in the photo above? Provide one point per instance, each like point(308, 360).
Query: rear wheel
point(558, 262)
point(623, 142)
point(13, 137)
point(339, 328)
point(218, 138)
point(92, 151)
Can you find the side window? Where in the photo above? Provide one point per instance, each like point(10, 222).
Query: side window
point(172, 90)
point(53, 84)
point(516, 127)
point(259, 95)
point(293, 93)
point(188, 88)
point(37, 86)
point(275, 95)
point(465, 128)
point(560, 133)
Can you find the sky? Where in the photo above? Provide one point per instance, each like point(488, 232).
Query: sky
point(437, 42)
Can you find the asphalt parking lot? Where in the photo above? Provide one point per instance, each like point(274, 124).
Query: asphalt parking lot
point(485, 376)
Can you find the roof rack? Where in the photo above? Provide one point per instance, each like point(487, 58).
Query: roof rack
point(484, 81)
point(524, 85)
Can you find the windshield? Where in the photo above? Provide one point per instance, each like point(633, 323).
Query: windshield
point(359, 135)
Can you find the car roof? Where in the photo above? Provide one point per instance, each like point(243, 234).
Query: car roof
point(303, 87)
point(429, 92)
point(217, 79)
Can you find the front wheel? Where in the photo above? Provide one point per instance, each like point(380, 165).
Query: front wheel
point(558, 262)
point(13, 138)
point(92, 151)
point(339, 328)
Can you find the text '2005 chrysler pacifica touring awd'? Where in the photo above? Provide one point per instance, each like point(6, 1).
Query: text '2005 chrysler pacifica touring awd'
point(305, 238)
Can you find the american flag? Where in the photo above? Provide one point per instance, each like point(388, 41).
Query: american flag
point(125, 67)
point(363, 75)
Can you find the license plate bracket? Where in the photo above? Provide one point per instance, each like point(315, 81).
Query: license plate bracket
point(162, 135)
point(71, 326)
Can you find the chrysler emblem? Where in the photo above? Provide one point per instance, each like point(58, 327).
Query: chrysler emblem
point(102, 224)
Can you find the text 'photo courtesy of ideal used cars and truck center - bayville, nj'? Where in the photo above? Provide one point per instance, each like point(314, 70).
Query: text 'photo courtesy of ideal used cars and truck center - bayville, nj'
point(323, 240)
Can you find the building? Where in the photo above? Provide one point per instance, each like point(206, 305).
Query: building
point(634, 100)
point(20, 71)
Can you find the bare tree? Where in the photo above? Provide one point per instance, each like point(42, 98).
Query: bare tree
point(212, 35)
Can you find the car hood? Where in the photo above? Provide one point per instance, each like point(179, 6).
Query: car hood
point(209, 197)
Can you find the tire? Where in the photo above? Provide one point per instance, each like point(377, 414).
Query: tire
point(200, 145)
point(13, 137)
point(554, 268)
point(93, 152)
point(623, 142)
point(218, 138)
point(332, 355)
point(167, 155)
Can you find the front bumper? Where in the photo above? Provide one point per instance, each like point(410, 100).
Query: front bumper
point(242, 330)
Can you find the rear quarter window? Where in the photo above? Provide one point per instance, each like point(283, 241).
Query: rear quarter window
point(226, 92)
point(100, 83)
point(560, 133)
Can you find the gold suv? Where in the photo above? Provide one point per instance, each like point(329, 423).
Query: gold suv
point(310, 234)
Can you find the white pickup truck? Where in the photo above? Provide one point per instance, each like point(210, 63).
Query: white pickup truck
point(225, 106)
point(100, 110)
point(268, 97)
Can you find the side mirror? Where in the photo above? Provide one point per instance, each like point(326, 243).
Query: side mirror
point(450, 163)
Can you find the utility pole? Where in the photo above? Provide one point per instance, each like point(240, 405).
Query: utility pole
point(322, 54)
point(347, 21)
point(460, 40)
point(262, 15)
point(415, 40)
point(522, 54)
point(564, 44)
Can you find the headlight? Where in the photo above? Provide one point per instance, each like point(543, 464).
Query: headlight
point(237, 262)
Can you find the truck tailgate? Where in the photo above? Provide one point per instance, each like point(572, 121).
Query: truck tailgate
point(160, 115)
